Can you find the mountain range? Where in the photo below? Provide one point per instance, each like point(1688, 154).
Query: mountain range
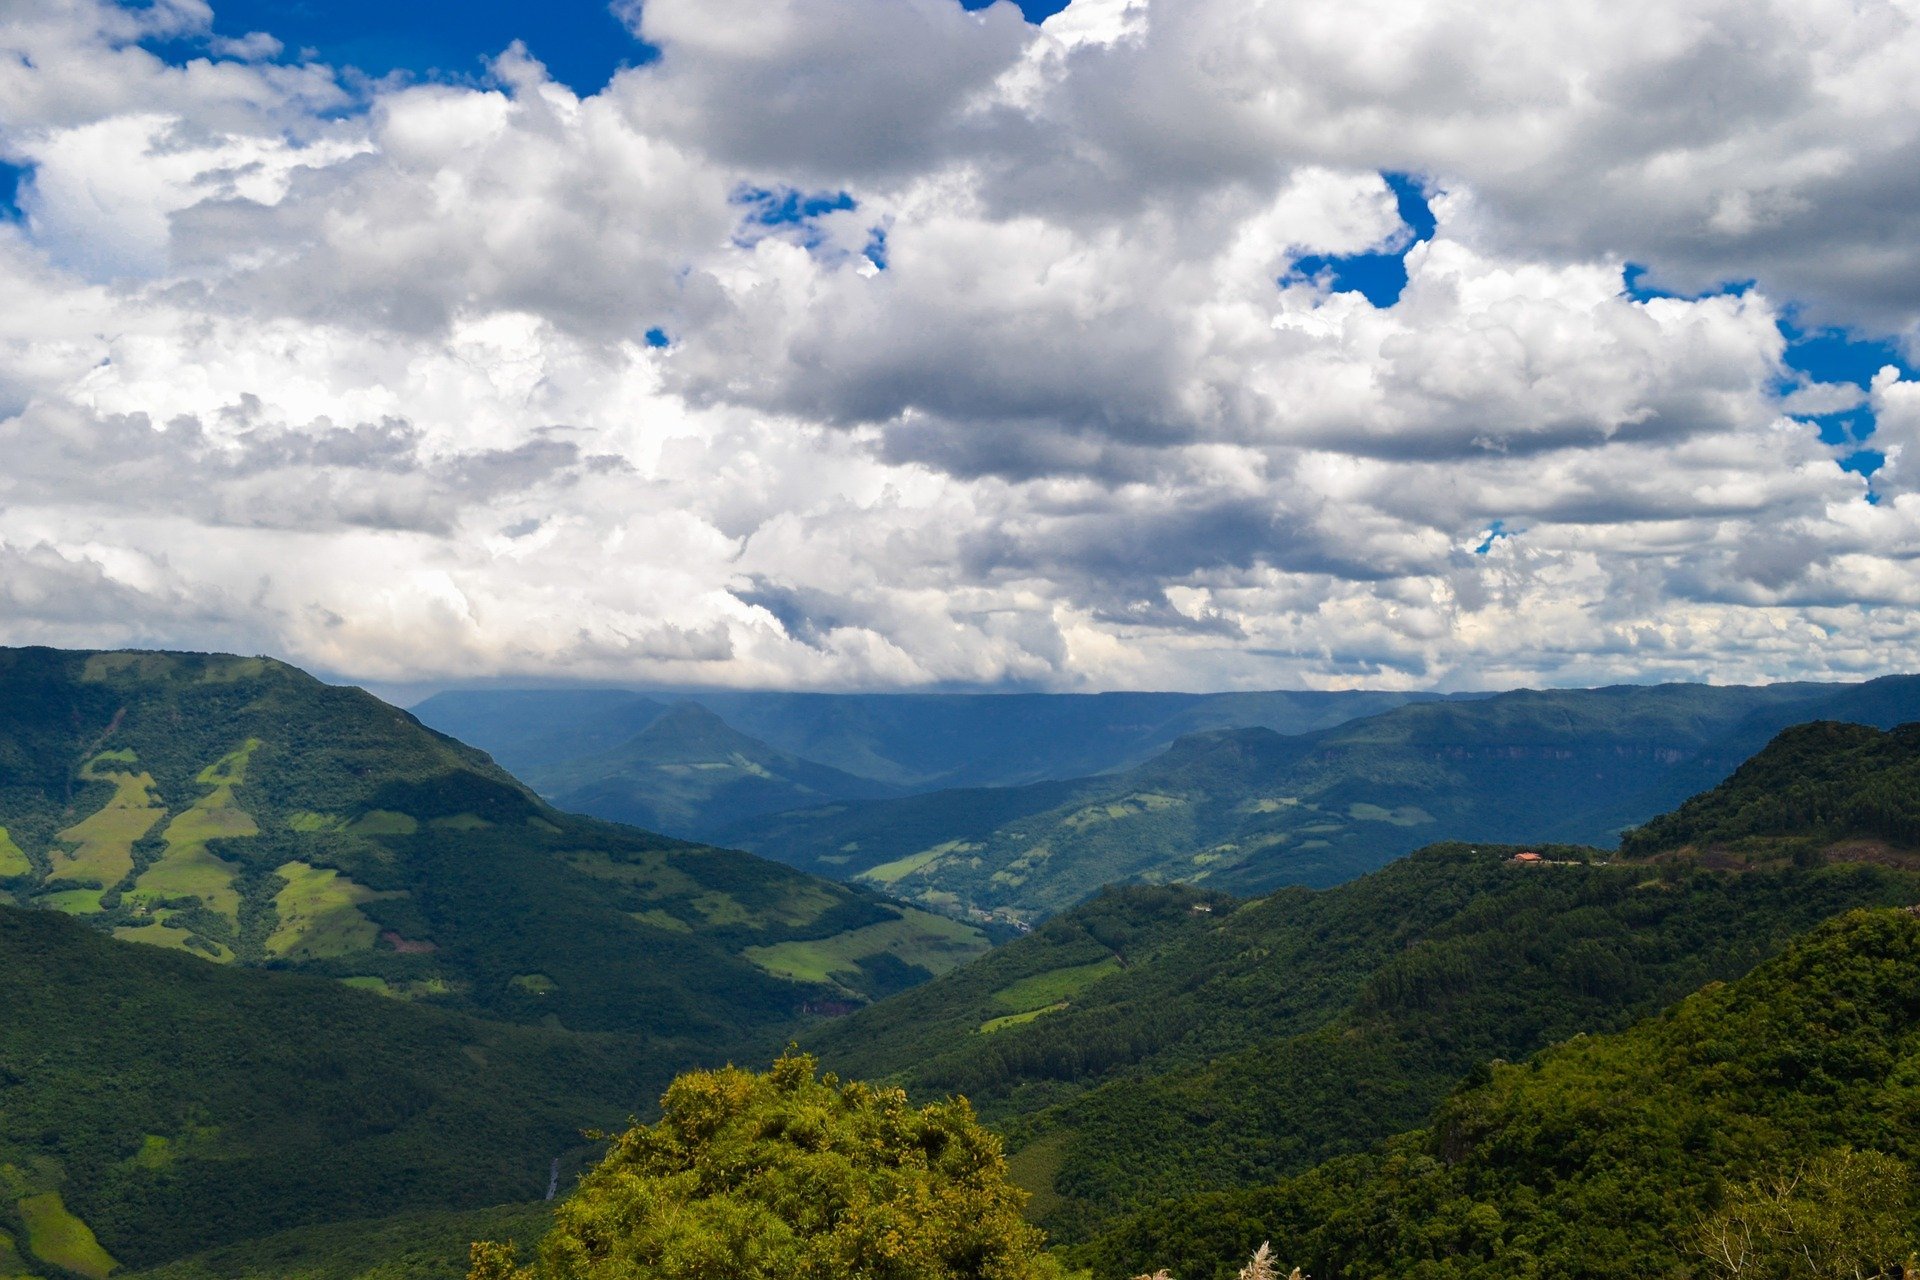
point(1156, 1041)
point(1266, 799)
point(316, 993)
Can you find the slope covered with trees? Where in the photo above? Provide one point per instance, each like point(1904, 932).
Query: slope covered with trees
point(1247, 810)
point(1815, 786)
point(239, 810)
point(1762, 1128)
point(786, 1176)
point(162, 1104)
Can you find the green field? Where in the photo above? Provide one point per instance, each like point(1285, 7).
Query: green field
point(13, 862)
point(56, 1236)
point(157, 934)
point(917, 938)
point(1054, 987)
point(75, 902)
point(1005, 1020)
point(320, 914)
point(188, 869)
point(900, 868)
point(104, 839)
point(656, 876)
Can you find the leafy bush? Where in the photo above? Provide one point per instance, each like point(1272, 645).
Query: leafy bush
point(794, 1176)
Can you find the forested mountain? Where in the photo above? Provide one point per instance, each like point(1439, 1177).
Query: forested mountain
point(1762, 1128)
point(1154, 1041)
point(1815, 786)
point(909, 741)
point(689, 774)
point(152, 1103)
point(1247, 810)
point(239, 810)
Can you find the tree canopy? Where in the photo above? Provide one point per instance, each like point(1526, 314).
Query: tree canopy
point(794, 1176)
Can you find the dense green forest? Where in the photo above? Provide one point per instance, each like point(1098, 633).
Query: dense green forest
point(788, 1176)
point(1161, 1040)
point(165, 1104)
point(1761, 1128)
point(392, 987)
point(425, 1245)
point(1247, 810)
point(1814, 786)
point(240, 810)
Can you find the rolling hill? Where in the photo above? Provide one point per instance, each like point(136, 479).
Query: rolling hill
point(1762, 1128)
point(241, 811)
point(1156, 1041)
point(152, 1104)
point(1246, 810)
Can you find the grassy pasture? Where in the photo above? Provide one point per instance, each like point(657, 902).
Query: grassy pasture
point(992, 1025)
point(104, 839)
point(1053, 987)
point(56, 1236)
point(901, 868)
point(917, 938)
point(188, 869)
point(320, 914)
point(157, 934)
point(75, 902)
point(13, 859)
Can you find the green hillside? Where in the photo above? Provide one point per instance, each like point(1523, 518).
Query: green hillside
point(1815, 786)
point(153, 1104)
point(1767, 1124)
point(1247, 810)
point(431, 1245)
point(687, 774)
point(1155, 1041)
point(238, 810)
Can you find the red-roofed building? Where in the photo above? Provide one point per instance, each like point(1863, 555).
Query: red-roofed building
point(1528, 856)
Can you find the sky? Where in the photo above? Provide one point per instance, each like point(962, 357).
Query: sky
point(897, 344)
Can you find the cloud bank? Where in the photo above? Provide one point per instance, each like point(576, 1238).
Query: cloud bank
point(879, 343)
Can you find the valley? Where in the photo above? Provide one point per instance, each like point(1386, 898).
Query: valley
point(369, 989)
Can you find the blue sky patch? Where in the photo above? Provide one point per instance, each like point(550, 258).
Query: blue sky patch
point(1035, 10)
point(1634, 276)
point(1379, 277)
point(1814, 355)
point(580, 41)
point(784, 206)
point(1495, 531)
point(1834, 355)
point(12, 176)
point(658, 338)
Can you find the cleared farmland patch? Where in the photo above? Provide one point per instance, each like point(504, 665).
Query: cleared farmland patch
point(157, 933)
point(13, 859)
point(188, 869)
point(915, 938)
point(103, 841)
point(55, 1235)
point(320, 914)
